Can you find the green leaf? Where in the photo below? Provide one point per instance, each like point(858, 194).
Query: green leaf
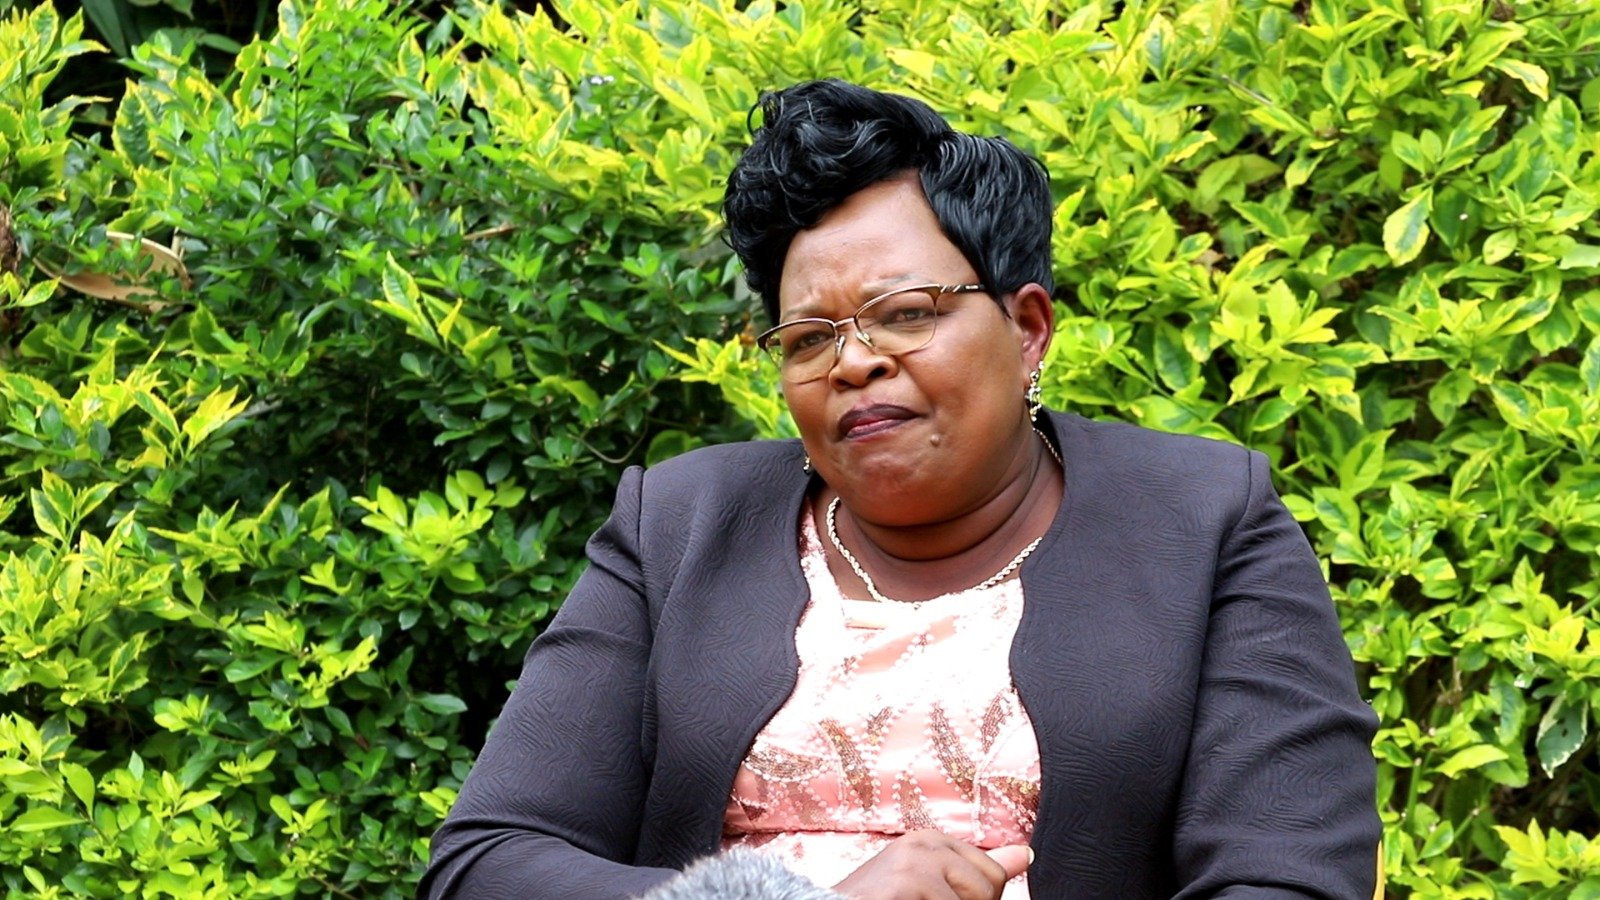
point(1276, 118)
point(35, 295)
point(1589, 369)
point(402, 299)
point(1176, 368)
point(584, 14)
point(580, 391)
point(444, 704)
point(53, 506)
point(1561, 732)
point(1473, 757)
point(1534, 78)
point(247, 668)
point(1338, 78)
point(1300, 171)
point(918, 62)
point(1499, 245)
point(1516, 405)
point(1274, 411)
point(1406, 230)
point(1450, 393)
point(1360, 468)
point(215, 411)
point(1439, 840)
point(1461, 145)
point(43, 818)
point(81, 782)
point(1051, 116)
point(107, 17)
point(1580, 256)
point(1530, 845)
point(1408, 150)
point(668, 444)
point(10, 768)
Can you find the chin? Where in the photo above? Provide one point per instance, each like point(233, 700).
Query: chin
point(893, 496)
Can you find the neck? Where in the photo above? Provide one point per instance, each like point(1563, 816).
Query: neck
point(918, 561)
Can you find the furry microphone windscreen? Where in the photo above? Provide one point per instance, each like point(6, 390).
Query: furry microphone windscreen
point(739, 875)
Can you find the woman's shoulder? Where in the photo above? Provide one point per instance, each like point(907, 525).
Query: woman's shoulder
point(1102, 434)
point(735, 469)
point(1122, 457)
point(719, 500)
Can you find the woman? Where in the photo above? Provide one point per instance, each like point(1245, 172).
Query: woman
point(943, 624)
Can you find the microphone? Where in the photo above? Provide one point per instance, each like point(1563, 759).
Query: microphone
point(739, 874)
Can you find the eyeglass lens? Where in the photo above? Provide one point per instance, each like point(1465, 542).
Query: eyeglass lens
point(895, 323)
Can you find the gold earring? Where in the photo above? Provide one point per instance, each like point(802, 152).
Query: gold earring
point(806, 466)
point(1031, 396)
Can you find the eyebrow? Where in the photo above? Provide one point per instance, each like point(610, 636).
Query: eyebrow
point(868, 291)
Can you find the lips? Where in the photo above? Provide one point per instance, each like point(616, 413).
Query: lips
point(867, 420)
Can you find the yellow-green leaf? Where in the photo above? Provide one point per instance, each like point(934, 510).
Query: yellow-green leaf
point(43, 818)
point(1533, 77)
point(1499, 245)
point(918, 62)
point(1406, 230)
point(214, 411)
point(1474, 757)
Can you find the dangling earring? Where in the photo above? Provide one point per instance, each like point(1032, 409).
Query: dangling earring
point(806, 466)
point(1031, 396)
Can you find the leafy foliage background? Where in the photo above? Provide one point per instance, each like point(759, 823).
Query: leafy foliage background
point(276, 534)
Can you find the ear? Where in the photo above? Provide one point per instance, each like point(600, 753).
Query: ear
point(1033, 315)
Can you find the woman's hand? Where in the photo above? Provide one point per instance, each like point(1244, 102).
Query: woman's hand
point(931, 865)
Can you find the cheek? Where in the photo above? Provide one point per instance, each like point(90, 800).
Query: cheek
point(978, 374)
point(976, 412)
point(977, 397)
point(805, 407)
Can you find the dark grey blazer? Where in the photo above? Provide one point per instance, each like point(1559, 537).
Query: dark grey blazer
point(1194, 701)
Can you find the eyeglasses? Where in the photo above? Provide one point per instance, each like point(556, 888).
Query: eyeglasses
point(898, 322)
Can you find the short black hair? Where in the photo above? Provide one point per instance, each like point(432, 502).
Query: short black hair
point(821, 141)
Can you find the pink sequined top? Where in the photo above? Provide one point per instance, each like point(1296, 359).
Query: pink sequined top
point(903, 718)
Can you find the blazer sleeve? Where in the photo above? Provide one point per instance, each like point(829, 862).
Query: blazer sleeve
point(1278, 796)
point(552, 807)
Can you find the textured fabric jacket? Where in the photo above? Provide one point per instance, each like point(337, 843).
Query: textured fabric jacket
point(1199, 728)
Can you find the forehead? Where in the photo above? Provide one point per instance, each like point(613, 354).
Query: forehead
point(881, 237)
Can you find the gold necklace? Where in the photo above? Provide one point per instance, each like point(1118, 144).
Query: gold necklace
point(872, 588)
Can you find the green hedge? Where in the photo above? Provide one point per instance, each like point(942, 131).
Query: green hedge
point(277, 531)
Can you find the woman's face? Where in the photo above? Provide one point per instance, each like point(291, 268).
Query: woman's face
point(927, 435)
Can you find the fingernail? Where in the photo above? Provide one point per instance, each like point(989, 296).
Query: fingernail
point(1030, 856)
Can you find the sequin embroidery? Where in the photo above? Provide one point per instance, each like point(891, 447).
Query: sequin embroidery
point(910, 722)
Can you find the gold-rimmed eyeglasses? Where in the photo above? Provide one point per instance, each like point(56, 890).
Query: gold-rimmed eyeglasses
point(898, 322)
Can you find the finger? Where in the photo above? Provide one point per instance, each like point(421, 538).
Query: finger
point(974, 874)
point(1014, 858)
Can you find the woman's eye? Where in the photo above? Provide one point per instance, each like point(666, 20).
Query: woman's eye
point(806, 340)
point(906, 314)
point(911, 315)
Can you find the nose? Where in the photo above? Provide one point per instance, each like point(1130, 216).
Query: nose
point(839, 340)
point(857, 368)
